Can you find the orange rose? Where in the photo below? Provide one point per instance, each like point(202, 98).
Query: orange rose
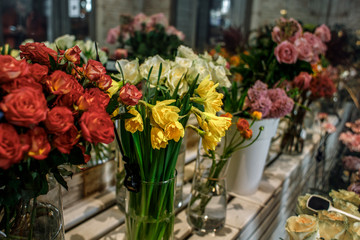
point(93, 98)
point(104, 82)
point(24, 107)
point(65, 142)
point(59, 120)
point(39, 143)
point(10, 68)
point(129, 95)
point(37, 53)
point(22, 82)
point(97, 127)
point(94, 70)
point(69, 99)
point(73, 54)
point(60, 83)
point(11, 149)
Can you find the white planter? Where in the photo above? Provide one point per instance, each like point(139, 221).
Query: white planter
point(247, 165)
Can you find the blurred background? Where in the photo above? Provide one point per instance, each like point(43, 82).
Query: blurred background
point(202, 21)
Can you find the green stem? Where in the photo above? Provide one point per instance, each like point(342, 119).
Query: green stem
point(32, 218)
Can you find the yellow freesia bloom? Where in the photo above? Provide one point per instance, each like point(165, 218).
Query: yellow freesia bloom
point(174, 130)
point(158, 138)
point(209, 141)
point(135, 123)
point(114, 88)
point(164, 114)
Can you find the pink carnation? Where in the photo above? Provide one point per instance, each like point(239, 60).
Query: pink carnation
point(113, 35)
point(286, 52)
point(328, 127)
point(351, 163)
point(302, 81)
point(350, 140)
point(304, 49)
point(281, 103)
point(261, 104)
point(323, 32)
point(355, 127)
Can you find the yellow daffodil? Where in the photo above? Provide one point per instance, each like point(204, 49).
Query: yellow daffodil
point(164, 114)
point(205, 86)
point(158, 138)
point(209, 141)
point(135, 123)
point(210, 122)
point(114, 88)
point(174, 130)
point(213, 102)
point(256, 115)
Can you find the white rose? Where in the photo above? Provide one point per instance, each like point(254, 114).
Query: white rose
point(184, 62)
point(207, 56)
point(51, 45)
point(130, 70)
point(219, 76)
point(176, 74)
point(154, 62)
point(200, 67)
point(221, 61)
point(64, 42)
point(186, 52)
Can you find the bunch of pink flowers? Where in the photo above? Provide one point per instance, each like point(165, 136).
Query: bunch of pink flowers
point(272, 103)
point(351, 139)
point(294, 44)
point(142, 23)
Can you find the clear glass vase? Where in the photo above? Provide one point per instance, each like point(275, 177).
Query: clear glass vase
point(206, 211)
point(39, 218)
point(149, 213)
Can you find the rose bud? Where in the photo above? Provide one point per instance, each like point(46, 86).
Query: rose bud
point(94, 70)
point(104, 82)
point(37, 53)
point(247, 134)
point(73, 54)
point(129, 95)
point(242, 124)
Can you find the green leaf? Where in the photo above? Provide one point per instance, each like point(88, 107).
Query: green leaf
point(60, 179)
point(113, 104)
point(123, 116)
point(53, 63)
point(76, 156)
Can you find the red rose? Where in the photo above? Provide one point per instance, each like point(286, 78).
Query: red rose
point(39, 143)
point(24, 107)
point(76, 72)
point(21, 82)
point(37, 53)
point(322, 86)
point(286, 52)
point(38, 72)
point(10, 68)
point(302, 81)
point(93, 98)
point(94, 70)
point(11, 149)
point(59, 120)
point(69, 99)
point(87, 157)
point(242, 124)
point(60, 83)
point(104, 82)
point(129, 95)
point(97, 127)
point(66, 141)
point(73, 54)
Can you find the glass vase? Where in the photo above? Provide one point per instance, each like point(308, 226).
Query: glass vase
point(149, 213)
point(39, 218)
point(206, 211)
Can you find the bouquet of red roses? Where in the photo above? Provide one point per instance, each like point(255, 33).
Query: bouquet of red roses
point(52, 110)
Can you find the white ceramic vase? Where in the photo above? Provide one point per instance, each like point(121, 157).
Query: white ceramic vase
point(247, 165)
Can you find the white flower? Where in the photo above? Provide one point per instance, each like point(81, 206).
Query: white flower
point(186, 52)
point(154, 62)
point(200, 67)
point(219, 76)
point(64, 42)
point(184, 62)
point(176, 74)
point(221, 61)
point(207, 56)
point(130, 70)
point(51, 45)
point(88, 51)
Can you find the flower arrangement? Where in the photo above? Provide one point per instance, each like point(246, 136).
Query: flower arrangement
point(152, 136)
point(52, 110)
point(144, 36)
point(324, 224)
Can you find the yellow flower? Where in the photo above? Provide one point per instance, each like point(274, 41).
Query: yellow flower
point(114, 88)
point(256, 115)
point(135, 123)
point(216, 125)
point(174, 130)
point(164, 114)
point(158, 138)
point(206, 86)
point(209, 141)
point(213, 102)
point(115, 113)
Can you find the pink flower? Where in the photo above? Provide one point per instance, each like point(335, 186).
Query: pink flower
point(350, 140)
point(129, 95)
point(351, 163)
point(296, 30)
point(304, 49)
point(322, 116)
point(281, 103)
point(355, 187)
point(355, 127)
point(323, 32)
point(318, 46)
point(121, 53)
point(277, 35)
point(328, 127)
point(302, 81)
point(171, 30)
point(138, 22)
point(113, 35)
point(286, 52)
point(158, 18)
